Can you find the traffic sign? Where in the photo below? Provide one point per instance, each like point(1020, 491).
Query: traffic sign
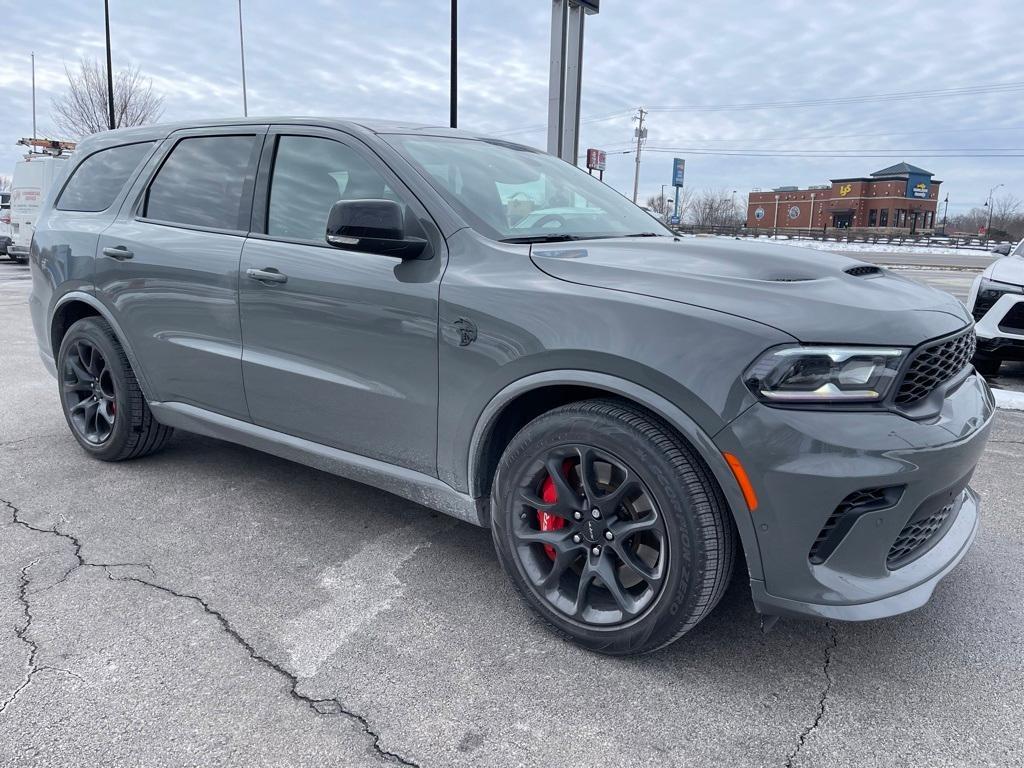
point(678, 171)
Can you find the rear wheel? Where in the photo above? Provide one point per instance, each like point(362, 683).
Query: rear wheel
point(100, 395)
point(612, 530)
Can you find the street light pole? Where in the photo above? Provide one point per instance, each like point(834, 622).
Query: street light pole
point(945, 210)
point(775, 221)
point(241, 49)
point(988, 204)
point(110, 72)
point(453, 98)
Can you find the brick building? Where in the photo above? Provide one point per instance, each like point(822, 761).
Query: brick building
point(901, 197)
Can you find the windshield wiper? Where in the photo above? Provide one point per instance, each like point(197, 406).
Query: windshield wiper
point(644, 234)
point(542, 239)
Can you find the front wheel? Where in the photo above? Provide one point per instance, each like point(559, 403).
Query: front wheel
point(610, 527)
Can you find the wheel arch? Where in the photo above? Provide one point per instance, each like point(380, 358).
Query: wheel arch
point(75, 305)
point(525, 399)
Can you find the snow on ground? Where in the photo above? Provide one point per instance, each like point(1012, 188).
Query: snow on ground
point(1008, 399)
point(828, 245)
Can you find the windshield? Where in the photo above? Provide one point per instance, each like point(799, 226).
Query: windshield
point(516, 194)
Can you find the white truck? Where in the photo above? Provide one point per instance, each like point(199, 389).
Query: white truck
point(5, 222)
point(33, 177)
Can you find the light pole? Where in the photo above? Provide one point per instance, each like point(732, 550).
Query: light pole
point(988, 204)
point(110, 72)
point(241, 50)
point(945, 210)
point(810, 218)
point(775, 220)
point(453, 99)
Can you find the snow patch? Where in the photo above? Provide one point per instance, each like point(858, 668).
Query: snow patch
point(1008, 399)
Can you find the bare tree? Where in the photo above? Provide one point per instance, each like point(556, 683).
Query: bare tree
point(665, 206)
point(84, 108)
point(715, 208)
point(5, 183)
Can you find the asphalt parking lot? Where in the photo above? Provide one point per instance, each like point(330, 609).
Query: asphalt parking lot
point(211, 605)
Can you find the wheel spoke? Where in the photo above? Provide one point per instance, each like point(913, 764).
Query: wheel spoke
point(567, 497)
point(610, 579)
point(618, 495)
point(562, 561)
point(81, 405)
point(586, 470)
point(555, 539)
point(104, 411)
point(586, 577)
point(78, 366)
point(623, 529)
point(76, 386)
point(652, 575)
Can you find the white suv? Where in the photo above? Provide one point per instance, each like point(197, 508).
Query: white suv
point(997, 303)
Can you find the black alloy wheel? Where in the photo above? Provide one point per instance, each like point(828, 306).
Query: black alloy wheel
point(613, 530)
point(589, 536)
point(90, 396)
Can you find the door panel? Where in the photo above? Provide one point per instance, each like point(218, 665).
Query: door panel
point(177, 300)
point(340, 347)
point(168, 266)
point(345, 352)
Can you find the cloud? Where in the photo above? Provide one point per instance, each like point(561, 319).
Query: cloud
point(389, 59)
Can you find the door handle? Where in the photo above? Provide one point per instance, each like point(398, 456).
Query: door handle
point(120, 253)
point(268, 275)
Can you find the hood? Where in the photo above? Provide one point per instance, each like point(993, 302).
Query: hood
point(1009, 269)
point(809, 294)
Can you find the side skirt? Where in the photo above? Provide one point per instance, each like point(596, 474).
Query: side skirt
point(411, 485)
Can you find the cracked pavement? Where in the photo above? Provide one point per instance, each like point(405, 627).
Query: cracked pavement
point(211, 605)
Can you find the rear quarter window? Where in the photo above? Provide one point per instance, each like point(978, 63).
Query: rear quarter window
point(97, 181)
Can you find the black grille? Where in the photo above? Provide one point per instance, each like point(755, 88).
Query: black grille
point(863, 271)
point(916, 535)
point(934, 365)
point(845, 515)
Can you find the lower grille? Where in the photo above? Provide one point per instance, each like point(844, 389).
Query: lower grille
point(845, 515)
point(916, 535)
point(1013, 322)
point(934, 365)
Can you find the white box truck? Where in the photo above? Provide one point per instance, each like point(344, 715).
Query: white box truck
point(33, 177)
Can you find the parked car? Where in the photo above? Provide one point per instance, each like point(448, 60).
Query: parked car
point(629, 413)
point(997, 302)
point(34, 176)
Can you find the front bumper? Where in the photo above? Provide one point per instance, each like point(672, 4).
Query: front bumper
point(999, 331)
point(803, 464)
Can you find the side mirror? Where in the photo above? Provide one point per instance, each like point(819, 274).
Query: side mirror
point(1003, 249)
point(372, 226)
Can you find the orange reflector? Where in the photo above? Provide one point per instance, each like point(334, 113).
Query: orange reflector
point(741, 477)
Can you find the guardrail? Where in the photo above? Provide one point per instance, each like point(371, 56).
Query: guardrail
point(956, 242)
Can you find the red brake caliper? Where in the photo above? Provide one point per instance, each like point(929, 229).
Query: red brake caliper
point(549, 495)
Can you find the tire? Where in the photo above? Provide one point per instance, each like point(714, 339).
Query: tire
point(102, 402)
point(987, 366)
point(658, 526)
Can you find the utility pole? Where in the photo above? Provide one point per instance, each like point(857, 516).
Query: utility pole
point(33, 94)
point(775, 221)
point(110, 71)
point(945, 210)
point(453, 99)
point(241, 50)
point(641, 134)
point(988, 204)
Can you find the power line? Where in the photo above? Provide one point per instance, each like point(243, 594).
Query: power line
point(972, 90)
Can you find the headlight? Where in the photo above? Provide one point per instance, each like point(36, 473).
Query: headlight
point(824, 374)
point(993, 289)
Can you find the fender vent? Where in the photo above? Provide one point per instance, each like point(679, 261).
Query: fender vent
point(863, 270)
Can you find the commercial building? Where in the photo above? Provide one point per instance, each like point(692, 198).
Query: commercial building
point(900, 197)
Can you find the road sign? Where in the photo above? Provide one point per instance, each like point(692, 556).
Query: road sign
point(678, 171)
point(596, 159)
point(674, 221)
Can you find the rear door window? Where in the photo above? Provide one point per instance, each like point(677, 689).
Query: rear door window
point(206, 181)
point(98, 179)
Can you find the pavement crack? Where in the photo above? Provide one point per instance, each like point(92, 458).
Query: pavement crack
point(822, 700)
point(319, 706)
point(322, 707)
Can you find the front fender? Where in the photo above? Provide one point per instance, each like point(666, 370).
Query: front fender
point(701, 442)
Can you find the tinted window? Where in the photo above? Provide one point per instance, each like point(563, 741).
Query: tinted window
point(311, 175)
point(96, 183)
point(204, 182)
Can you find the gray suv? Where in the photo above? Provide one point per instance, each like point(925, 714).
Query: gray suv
point(490, 332)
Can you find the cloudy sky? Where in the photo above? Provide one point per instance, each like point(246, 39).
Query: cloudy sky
point(690, 62)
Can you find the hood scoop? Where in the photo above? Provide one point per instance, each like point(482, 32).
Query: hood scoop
point(863, 270)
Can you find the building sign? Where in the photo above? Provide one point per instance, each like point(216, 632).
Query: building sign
point(759, 213)
point(794, 212)
point(678, 171)
point(596, 159)
point(918, 186)
point(845, 189)
point(25, 201)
